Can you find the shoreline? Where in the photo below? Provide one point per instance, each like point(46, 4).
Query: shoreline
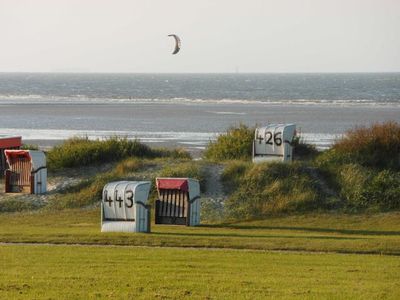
point(47, 145)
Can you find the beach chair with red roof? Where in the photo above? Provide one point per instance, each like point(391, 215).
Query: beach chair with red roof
point(26, 173)
point(178, 201)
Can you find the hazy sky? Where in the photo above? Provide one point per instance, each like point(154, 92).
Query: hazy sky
point(217, 35)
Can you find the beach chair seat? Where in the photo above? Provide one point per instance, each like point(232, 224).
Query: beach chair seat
point(26, 173)
point(178, 201)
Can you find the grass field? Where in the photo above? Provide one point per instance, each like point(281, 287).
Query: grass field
point(76, 272)
point(373, 234)
point(329, 256)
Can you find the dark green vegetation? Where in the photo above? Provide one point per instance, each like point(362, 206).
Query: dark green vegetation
point(29, 147)
point(359, 173)
point(377, 146)
point(89, 192)
point(73, 272)
point(236, 143)
point(259, 190)
point(309, 206)
point(78, 152)
point(340, 233)
point(364, 167)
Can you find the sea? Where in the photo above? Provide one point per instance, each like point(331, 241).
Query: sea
point(190, 110)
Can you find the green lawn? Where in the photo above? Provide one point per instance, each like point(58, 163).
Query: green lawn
point(76, 272)
point(374, 234)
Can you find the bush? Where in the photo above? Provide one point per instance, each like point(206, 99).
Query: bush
point(77, 152)
point(271, 188)
point(352, 180)
point(89, 191)
point(377, 146)
point(236, 143)
point(29, 147)
point(384, 190)
point(177, 153)
point(365, 189)
point(128, 166)
point(232, 175)
point(13, 205)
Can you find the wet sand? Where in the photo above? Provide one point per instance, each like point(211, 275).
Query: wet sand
point(186, 125)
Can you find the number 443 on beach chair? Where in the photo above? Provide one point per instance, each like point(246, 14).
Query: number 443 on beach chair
point(178, 202)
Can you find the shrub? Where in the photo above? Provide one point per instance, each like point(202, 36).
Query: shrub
point(236, 143)
point(128, 166)
point(271, 188)
point(77, 152)
point(89, 191)
point(178, 153)
point(29, 147)
point(384, 190)
point(365, 189)
point(14, 205)
point(233, 174)
point(376, 146)
point(352, 180)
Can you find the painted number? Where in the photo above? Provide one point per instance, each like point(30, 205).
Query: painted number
point(108, 199)
point(119, 200)
point(271, 138)
point(129, 199)
point(277, 138)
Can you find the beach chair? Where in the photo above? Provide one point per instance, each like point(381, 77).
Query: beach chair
point(274, 143)
point(10, 143)
point(26, 173)
point(124, 207)
point(178, 201)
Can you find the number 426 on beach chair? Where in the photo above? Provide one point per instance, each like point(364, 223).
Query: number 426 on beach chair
point(178, 202)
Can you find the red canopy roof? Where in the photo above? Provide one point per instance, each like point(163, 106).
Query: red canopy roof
point(17, 153)
point(10, 142)
point(173, 184)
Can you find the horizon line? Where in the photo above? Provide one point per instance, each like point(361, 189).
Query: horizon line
point(205, 73)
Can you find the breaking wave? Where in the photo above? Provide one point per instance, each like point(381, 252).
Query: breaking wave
point(82, 99)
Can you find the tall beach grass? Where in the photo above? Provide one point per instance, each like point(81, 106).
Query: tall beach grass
point(78, 152)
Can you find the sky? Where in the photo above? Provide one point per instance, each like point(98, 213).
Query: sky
point(264, 36)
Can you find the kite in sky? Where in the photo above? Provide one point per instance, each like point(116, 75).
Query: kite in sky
point(177, 43)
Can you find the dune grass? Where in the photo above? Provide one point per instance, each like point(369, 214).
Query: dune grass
point(259, 190)
point(377, 233)
point(364, 167)
point(89, 191)
point(78, 152)
point(235, 143)
point(73, 272)
point(376, 146)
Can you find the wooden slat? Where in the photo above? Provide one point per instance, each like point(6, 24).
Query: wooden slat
point(173, 203)
point(20, 173)
point(185, 201)
point(181, 204)
point(162, 196)
point(166, 196)
point(177, 205)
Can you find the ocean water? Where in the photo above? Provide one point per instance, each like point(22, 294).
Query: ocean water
point(191, 109)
